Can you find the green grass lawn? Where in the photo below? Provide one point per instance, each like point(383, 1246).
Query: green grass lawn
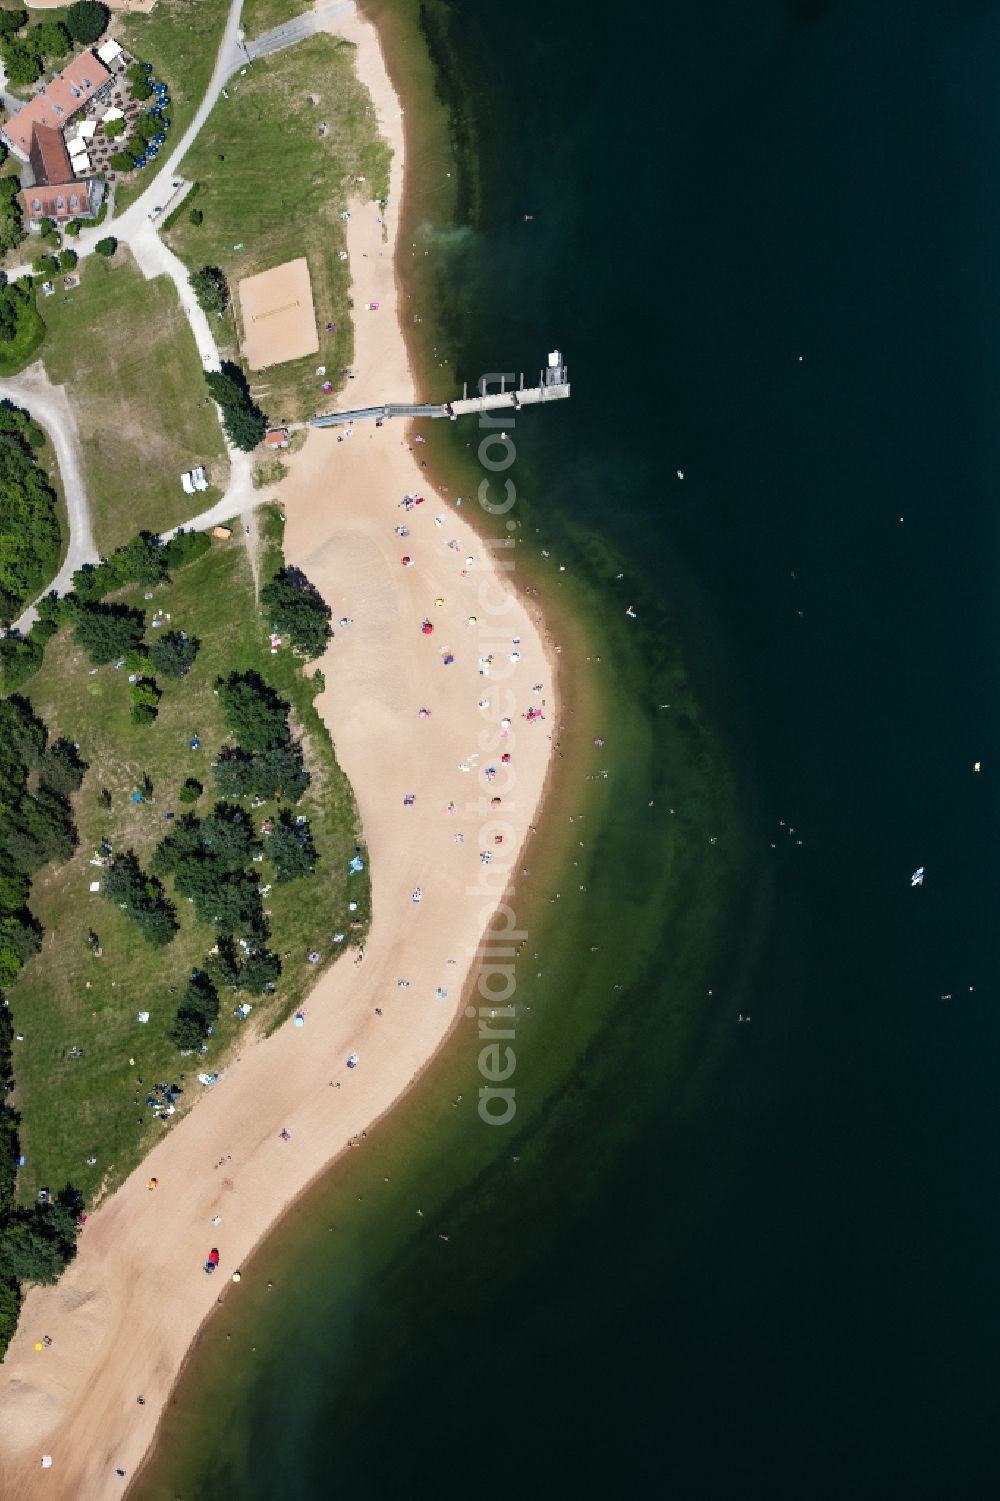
point(270, 183)
point(259, 16)
point(65, 998)
point(181, 39)
point(124, 349)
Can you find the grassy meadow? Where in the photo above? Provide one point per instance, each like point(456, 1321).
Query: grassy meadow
point(124, 350)
point(272, 185)
point(263, 15)
point(66, 998)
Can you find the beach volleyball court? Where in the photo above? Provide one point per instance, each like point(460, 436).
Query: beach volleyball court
point(279, 320)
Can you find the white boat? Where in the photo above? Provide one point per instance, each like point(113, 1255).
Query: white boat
point(917, 878)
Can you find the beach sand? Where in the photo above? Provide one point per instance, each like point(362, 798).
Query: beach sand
point(125, 1313)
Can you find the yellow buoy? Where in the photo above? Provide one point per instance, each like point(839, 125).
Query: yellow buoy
point(439, 602)
point(236, 1276)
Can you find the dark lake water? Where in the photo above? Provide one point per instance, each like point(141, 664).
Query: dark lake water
point(731, 1259)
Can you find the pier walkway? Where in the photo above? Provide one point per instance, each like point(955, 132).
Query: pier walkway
point(553, 386)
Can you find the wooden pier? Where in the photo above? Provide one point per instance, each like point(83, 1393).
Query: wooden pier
point(553, 385)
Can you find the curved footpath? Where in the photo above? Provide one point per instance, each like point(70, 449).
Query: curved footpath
point(124, 1314)
point(50, 406)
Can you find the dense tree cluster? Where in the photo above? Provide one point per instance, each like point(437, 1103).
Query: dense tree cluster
point(266, 762)
point(298, 610)
point(21, 328)
point(145, 560)
point(207, 859)
point(37, 1243)
point(29, 523)
point(211, 860)
point(25, 55)
point(141, 897)
point(242, 418)
point(36, 827)
point(276, 771)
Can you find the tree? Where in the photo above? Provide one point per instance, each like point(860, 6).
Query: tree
point(298, 610)
point(12, 20)
point(45, 265)
point(143, 559)
point(11, 219)
point(113, 129)
point(245, 427)
point(173, 654)
point(291, 849)
point(145, 696)
point(87, 20)
point(253, 712)
point(22, 62)
point(61, 768)
point(106, 632)
point(157, 924)
point(146, 127)
point(50, 38)
point(229, 834)
point(244, 422)
point(196, 1014)
point(275, 772)
point(196, 217)
point(109, 244)
point(14, 889)
point(138, 81)
point(37, 1243)
point(67, 259)
point(259, 972)
point(181, 845)
point(191, 790)
point(211, 290)
point(37, 830)
point(141, 897)
point(27, 1254)
point(119, 161)
point(225, 389)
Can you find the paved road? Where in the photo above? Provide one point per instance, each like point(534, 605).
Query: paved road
point(50, 406)
point(297, 30)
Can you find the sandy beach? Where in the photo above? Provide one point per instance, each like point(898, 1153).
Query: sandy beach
point(124, 1315)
